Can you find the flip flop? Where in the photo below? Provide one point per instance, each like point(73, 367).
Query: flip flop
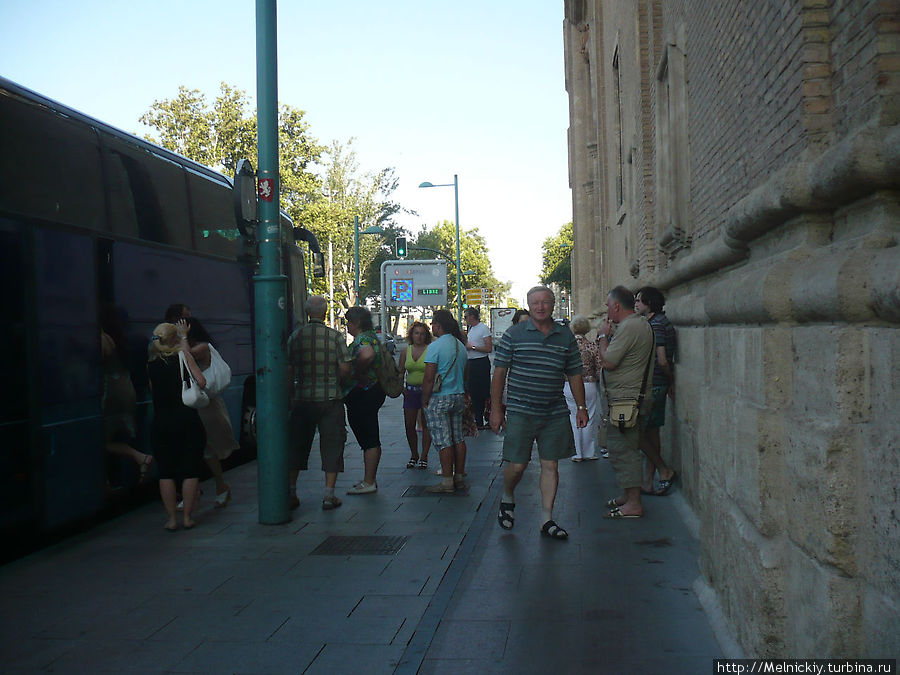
point(613, 503)
point(616, 514)
point(411, 464)
point(666, 485)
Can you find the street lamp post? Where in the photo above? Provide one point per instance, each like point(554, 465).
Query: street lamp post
point(455, 185)
point(372, 229)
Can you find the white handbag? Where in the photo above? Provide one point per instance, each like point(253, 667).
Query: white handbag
point(218, 375)
point(192, 395)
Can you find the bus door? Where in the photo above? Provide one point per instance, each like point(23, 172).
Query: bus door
point(68, 375)
point(19, 503)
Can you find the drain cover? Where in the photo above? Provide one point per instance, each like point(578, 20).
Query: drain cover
point(360, 546)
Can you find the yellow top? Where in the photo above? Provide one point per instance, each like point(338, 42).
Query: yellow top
point(415, 370)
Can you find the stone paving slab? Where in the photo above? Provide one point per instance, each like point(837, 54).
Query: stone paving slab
point(460, 596)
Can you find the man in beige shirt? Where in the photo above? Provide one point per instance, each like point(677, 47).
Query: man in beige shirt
point(626, 351)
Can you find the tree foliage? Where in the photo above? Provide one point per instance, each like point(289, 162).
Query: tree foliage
point(220, 134)
point(474, 256)
point(557, 258)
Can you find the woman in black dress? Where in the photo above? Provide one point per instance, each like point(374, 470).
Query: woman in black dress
point(177, 433)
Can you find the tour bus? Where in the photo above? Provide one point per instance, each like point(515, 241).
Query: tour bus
point(101, 230)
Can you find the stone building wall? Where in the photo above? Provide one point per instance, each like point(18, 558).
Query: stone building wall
point(744, 157)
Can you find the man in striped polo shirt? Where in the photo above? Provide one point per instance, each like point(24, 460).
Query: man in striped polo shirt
point(536, 356)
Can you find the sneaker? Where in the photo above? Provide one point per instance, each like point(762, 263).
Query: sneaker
point(363, 488)
point(440, 488)
point(459, 482)
point(330, 502)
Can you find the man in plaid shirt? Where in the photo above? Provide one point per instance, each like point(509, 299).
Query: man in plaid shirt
point(318, 362)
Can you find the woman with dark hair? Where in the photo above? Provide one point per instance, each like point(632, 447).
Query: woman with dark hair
point(220, 441)
point(520, 315)
point(412, 362)
point(446, 361)
point(366, 396)
point(177, 434)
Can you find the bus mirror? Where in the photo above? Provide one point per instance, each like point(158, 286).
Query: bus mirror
point(245, 204)
point(318, 263)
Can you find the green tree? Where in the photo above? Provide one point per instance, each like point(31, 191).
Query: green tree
point(474, 255)
point(220, 134)
point(347, 193)
point(557, 260)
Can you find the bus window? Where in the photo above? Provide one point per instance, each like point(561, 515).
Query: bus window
point(51, 165)
point(147, 195)
point(297, 290)
point(212, 210)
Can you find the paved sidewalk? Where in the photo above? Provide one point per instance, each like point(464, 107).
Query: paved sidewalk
point(326, 593)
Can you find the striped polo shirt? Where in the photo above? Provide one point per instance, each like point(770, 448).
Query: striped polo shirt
point(537, 367)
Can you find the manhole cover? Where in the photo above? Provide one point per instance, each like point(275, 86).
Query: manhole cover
point(360, 546)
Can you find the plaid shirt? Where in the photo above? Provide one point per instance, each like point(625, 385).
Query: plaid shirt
point(315, 352)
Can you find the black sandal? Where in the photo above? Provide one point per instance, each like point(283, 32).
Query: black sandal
point(506, 518)
point(554, 531)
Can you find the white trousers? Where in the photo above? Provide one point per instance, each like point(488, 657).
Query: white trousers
point(586, 438)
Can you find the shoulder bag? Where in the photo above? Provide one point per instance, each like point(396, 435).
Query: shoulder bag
point(624, 412)
point(192, 395)
point(218, 375)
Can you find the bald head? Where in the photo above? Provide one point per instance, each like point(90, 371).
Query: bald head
point(316, 306)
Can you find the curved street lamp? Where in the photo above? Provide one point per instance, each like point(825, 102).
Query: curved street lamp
point(455, 186)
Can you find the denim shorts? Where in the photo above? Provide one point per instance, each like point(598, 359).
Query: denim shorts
point(412, 397)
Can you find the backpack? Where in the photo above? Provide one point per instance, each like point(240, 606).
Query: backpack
point(388, 374)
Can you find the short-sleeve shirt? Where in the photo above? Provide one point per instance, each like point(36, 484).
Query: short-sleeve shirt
point(664, 332)
point(442, 352)
point(537, 366)
point(477, 335)
point(631, 346)
point(369, 378)
point(316, 353)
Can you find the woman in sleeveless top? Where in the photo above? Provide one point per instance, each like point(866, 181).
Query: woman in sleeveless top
point(412, 362)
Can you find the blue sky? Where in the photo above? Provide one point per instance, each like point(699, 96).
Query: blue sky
point(470, 87)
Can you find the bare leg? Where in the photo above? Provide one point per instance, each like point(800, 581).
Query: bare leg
point(459, 458)
point(371, 458)
point(412, 436)
point(189, 492)
point(167, 492)
point(512, 474)
point(125, 450)
point(549, 484)
point(426, 436)
point(650, 444)
point(215, 467)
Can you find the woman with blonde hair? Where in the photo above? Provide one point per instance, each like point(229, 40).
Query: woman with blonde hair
point(177, 434)
point(585, 437)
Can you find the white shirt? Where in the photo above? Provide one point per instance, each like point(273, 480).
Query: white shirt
point(477, 335)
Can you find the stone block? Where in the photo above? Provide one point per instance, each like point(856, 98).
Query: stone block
point(881, 627)
point(822, 466)
point(823, 609)
point(814, 351)
point(746, 571)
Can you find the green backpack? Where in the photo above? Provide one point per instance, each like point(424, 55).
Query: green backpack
point(388, 374)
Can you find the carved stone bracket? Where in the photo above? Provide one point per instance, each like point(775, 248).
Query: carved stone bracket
point(673, 240)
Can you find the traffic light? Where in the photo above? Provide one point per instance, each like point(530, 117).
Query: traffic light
point(401, 246)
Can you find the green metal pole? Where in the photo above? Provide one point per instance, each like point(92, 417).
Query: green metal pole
point(270, 285)
point(356, 255)
point(458, 261)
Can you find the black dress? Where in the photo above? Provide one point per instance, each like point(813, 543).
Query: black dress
point(177, 433)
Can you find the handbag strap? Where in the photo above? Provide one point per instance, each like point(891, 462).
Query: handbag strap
point(185, 371)
point(453, 362)
point(640, 398)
